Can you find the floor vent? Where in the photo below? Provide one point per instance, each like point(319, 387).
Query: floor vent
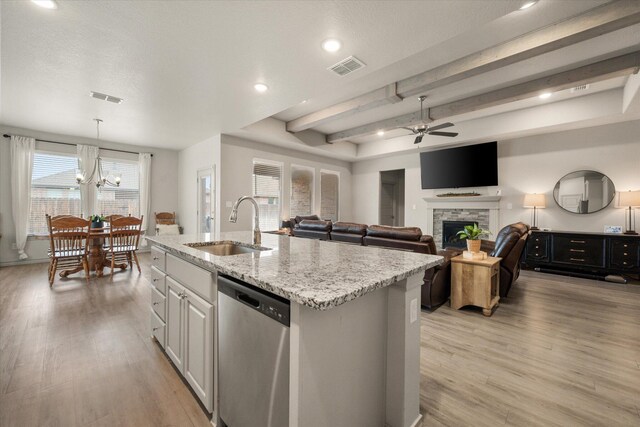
point(579, 88)
point(103, 97)
point(347, 66)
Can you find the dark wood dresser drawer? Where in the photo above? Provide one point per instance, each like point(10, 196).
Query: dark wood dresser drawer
point(579, 250)
point(625, 254)
point(538, 247)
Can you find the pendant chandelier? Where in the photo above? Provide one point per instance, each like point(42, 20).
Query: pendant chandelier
point(97, 175)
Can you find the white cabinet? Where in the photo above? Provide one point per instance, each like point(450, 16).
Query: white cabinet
point(158, 299)
point(189, 338)
point(198, 346)
point(175, 322)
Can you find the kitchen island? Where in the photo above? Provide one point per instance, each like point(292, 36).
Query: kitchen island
point(352, 332)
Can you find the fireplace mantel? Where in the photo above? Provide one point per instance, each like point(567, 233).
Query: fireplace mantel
point(491, 203)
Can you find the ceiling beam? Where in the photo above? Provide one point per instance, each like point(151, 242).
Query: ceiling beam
point(602, 70)
point(593, 23)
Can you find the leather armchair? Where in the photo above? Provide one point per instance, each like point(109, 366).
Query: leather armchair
point(509, 245)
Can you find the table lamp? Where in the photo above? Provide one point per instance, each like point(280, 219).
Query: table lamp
point(629, 199)
point(535, 201)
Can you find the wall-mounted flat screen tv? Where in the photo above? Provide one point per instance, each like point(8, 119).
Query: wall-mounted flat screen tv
point(469, 166)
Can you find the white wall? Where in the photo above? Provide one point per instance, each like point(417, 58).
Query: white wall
point(204, 155)
point(526, 165)
point(236, 168)
point(164, 185)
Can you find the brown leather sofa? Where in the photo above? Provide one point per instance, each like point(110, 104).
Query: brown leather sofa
point(313, 229)
point(348, 232)
point(509, 245)
point(437, 281)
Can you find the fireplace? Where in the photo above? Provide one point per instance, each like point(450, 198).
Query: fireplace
point(449, 231)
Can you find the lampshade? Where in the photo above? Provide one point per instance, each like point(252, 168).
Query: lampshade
point(534, 200)
point(629, 198)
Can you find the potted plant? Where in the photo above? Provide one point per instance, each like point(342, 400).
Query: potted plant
point(472, 234)
point(97, 221)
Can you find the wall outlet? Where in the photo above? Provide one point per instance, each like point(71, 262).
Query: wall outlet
point(499, 193)
point(413, 310)
point(413, 207)
point(14, 245)
point(229, 204)
point(509, 205)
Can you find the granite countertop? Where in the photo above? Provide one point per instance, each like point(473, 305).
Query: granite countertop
point(314, 273)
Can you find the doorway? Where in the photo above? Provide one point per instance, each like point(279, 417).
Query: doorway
point(391, 209)
point(206, 201)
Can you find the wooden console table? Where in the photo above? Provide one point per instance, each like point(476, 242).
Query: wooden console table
point(475, 282)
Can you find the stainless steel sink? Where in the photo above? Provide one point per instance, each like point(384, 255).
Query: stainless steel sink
point(225, 248)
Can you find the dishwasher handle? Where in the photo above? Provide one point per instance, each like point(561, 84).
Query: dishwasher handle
point(246, 299)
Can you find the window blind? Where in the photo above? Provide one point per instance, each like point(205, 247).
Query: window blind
point(266, 191)
point(54, 189)
point(329, 195)
point(125, 199)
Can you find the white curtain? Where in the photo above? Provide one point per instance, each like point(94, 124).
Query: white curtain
point(22, 152)
point(87, 155)
point(144, 169)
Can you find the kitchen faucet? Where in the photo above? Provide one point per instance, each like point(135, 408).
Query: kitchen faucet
point(257, 239)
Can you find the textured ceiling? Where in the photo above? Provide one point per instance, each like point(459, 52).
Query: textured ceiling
point(186, 69)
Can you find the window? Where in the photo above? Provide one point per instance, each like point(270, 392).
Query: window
point(266, 191)
point(123, 200)
point(329, 195)
point(301, 190)
point(54, 190)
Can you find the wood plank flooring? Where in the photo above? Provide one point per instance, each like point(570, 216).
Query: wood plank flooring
point(558, 351)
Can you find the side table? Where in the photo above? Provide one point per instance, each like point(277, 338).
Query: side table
point(475, 282)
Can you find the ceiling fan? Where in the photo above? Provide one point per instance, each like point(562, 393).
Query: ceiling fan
point(424, 129)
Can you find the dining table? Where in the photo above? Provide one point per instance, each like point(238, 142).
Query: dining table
point(97, 256)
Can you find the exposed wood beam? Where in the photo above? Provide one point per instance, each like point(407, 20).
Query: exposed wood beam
point(602, 70)
point(593, 23)
point(384, 95)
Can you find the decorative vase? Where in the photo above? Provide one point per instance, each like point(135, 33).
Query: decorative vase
point(473, 245)
point(97, 224)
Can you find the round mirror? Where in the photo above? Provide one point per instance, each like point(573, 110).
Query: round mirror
point(584, 192)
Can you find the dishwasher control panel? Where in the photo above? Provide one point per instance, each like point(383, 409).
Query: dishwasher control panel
point(273, 306)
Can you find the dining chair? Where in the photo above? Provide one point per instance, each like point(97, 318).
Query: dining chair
point(124, 236)
point(164, 219)
point(68, 245)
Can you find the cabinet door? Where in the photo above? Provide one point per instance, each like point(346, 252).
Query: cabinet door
point(175, 323)
point(198, 346)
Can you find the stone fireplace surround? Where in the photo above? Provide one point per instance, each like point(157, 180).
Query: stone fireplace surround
point(485, 210)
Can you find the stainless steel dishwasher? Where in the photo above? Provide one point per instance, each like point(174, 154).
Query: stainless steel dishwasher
point(253, 356)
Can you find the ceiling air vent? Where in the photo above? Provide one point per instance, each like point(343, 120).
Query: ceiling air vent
point(347, 66)
point(103, 97)
point(580, 88)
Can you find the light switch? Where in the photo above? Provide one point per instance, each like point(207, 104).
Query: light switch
point(229, 204)
point(509, 205)
point(413, 207)
point(413, 310)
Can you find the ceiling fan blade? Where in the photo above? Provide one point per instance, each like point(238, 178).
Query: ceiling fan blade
point(418, 139)
point(451, 134)
point(441, 126)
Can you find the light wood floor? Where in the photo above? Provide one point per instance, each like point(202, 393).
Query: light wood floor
point(559, 351)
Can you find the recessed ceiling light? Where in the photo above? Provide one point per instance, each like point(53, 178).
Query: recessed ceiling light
point(545, 95)
point(47, 4)
point(528, 4)
point(331, 45)
point(260, 87)
point(380, 133)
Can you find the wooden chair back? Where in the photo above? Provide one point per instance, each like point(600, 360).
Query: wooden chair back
point(68, 235)
point(124, 233)
point(165, 218)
